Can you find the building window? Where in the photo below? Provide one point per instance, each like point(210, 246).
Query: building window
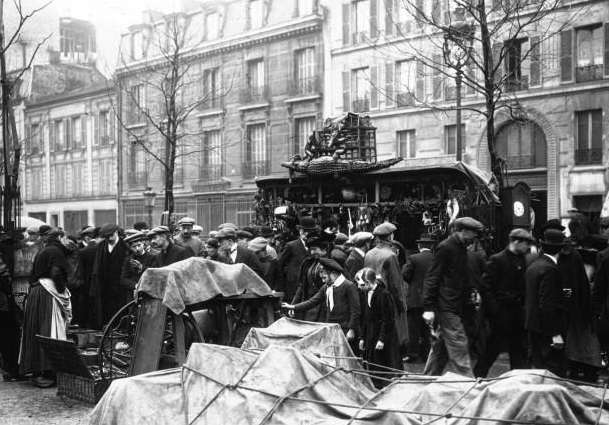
point(450, 138)
point(303, 128)
point(255, 161)
point(407, 144)
point(211, 156)
point(105, 177)
point(255, 89)
point(36, 139)
point(256, 13)
point(516, 78)
point(134, 212)
point(103, 130)
point(78, 179)
point(406, 79)
point(361, 89)
point(137, 45)
point(522, 145)
point(37, 183)
point(60, 181)
point(589, 137)
point(76, 40)
point(212, 26)
point(361, 21)
point(589, 53)
point(136, 103)
point(211, 88)
point(304, 64)
point(305, 7)
point(138, 175)
point(79, 134)
point(58, 133)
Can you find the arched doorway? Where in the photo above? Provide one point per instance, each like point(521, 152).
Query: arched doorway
point(523, 146)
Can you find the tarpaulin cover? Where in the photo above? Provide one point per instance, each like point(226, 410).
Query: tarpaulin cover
point(325, 340)
point(282, 385)
point(196, 279)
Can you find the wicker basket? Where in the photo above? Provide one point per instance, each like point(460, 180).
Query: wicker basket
point(81, 388)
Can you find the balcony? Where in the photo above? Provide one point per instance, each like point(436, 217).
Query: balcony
point(588, 156)
point(360, 105)
point(211, 102)
point(404, 100)
point(251, 169)
point(137, 179)
point(210, 172)
point(588, 73)
point(254, 94)
point(304, 86)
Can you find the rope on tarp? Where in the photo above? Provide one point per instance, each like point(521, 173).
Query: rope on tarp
point(271, 412)
point(448, 414)
point(367, 402)
point(600, 410)
point(372, 408)
point(391, 369)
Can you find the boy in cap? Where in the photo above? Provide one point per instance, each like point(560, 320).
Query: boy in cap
point(138, 261)
point(447, 291)
point(339, 297)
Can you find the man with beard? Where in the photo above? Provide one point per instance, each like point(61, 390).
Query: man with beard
point(502, 291)
point(48, 309)
point(169, 252)
point(106, 277)
point(135, 264)
point(293, 254)
point(310, 274)
point(447, 291)
point(186, 239)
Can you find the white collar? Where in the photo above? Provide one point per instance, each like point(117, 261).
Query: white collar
point(424, 249)
point(554, 259)
point(362, 253)
point(339, 281)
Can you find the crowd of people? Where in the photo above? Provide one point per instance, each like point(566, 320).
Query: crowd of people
point(447, 304)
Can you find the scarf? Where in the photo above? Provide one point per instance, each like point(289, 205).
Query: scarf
point(62, 309)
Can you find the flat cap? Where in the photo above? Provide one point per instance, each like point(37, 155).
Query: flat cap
point(266, 232)
point(107, 230)
point(361, 238)
point(44, 230)
point(136, 237)
point(552, 224)
point(228, 226)
point(227, 233)
point(197, 229)
point(468, 223)
point(331, 265)
point(213, 242)
point(384, 229)
point(521, 235)
point(32, 229)
point(340, 238)
point(213, 233)
point(129, 232)
point(158, 230)
point(188, 221)
point(244, 234)
point(257, 244)
point(87, 230)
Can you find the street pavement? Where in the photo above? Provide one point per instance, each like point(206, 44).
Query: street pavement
point(21, 403)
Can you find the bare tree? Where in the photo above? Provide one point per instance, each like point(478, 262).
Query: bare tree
point(161, 89)
point(10, 138)
point(483, 45)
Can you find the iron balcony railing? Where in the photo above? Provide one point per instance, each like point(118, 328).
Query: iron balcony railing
point(360, 105)
point(212, 102)
point(254, 94)
point(588, 156)
point(588, 73)
point(252, 169)
point(304, 86)
point(210, 172)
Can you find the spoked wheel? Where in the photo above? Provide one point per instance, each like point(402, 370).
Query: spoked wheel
point(115, 352)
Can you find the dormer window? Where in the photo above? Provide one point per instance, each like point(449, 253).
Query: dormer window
point(137, 45)
point(256, 13)
point(212, 25)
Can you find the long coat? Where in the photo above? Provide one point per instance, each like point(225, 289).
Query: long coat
point(383, 261)
point(290, 261)
point(414, 272)
point(544, 312)
point(353, 264)
point(378, 324)
point(310, 284)
point(105, 280)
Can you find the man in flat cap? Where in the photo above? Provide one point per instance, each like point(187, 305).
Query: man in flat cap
point(244, 236)
point(414, 272)
point(267, 233)
point(186, 239)
point(233, 253)
point(169, 252)
point(447, 291)
point(293, 254)
point(138, 261)
point(106, 277)
point(383, 260)
point(86, 236)
point(338, 297)
point(502, 290)
point(355, 261)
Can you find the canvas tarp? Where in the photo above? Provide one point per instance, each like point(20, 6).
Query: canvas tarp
point(282, 385)
point(196, 279)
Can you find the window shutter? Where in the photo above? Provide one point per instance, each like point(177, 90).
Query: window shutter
point(96, 129)
point(111, 124)
point(346, 91)
point(389, 19)
point(67, 133)
point(346, 22)
point(606, 58)
point(535, 73)
point(51, 136)
point(83, 131)
point(437, 77)
point(374, 87)
point(420, 89)
point(566, 55)
point(374, 25)
point(497, 63)
point(28, 139)
point(389, 84)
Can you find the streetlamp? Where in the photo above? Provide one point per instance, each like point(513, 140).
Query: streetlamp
point(458, 43)
point(149, 196)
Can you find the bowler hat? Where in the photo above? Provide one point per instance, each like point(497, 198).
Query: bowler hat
point(553, 237)
point(468, 223)
point(266, 232)
point(227, 233)
point(136, 237)
point(425, 238)
point(331, 265)
point(307, 224)
point(44, 230)
point(384, 229)
point(552, 224)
